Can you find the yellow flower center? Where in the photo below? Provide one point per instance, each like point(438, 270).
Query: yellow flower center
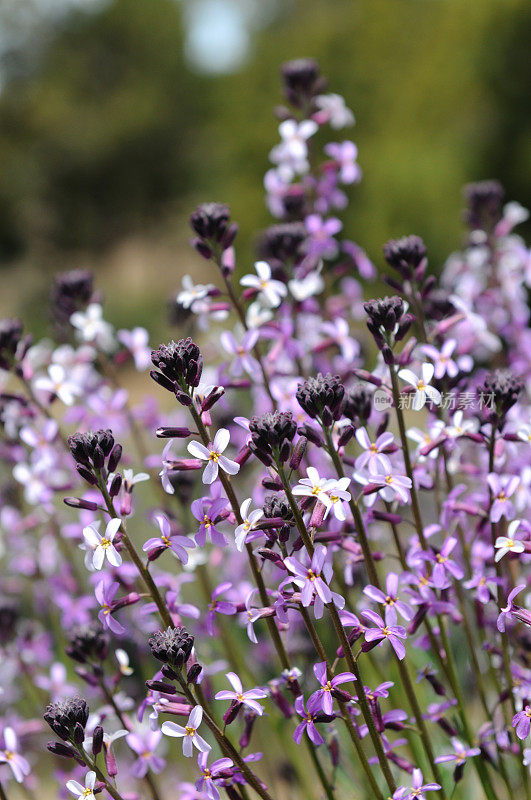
point(421, 386)
point(105, 543)
point(189, 731)
point(388, 479)
point(214, 456)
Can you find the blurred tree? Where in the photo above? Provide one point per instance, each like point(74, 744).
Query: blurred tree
point(97, 135)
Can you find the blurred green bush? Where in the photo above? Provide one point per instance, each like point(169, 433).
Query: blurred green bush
point(105, 131)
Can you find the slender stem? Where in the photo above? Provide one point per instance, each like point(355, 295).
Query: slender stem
point(320, 771)
point(342, 637)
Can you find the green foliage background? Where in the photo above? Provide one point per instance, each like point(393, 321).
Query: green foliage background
point(106, 133)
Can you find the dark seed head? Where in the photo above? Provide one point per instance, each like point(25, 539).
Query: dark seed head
point(172, 646)
point(180, 364)
point(484, 205)
point(87, 643)
point(66, 716)
point(321, 397)
point(405, 254)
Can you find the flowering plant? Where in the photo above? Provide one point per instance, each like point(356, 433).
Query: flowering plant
point(338, 520)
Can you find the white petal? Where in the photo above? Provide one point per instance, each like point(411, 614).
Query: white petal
point(198, 450)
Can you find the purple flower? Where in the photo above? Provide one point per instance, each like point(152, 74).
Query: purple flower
point(443, 564)
point(167, 540)
point(460, 754)
point(309, 715)
point(345, 154)
point(243, 362)
point(394, 633)
point(329, 687)
point(144, 743)
point(511, 609)
point(313, 581)
point(321, 242)
point(247, 698)
point(209, 773)
point(416, 792)
point(390, 599)
point(209, 513)
point(502, 489)
point(218, 606)
point(105, 593)
point(522, 722)
point(374, 457)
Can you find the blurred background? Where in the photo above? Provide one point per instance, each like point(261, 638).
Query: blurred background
point(118, 116)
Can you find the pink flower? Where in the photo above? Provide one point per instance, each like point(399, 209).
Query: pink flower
point(247, 698)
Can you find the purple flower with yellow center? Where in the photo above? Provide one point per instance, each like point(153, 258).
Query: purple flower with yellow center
point(444, 566)
point(502, 489)
point(219, 606)
point(390, 600)
point(393, 633)
point(243, 361)
point(460, 754)
point(313, 581)
point(309, 715)
point(321, 242)
point(167, 540)
point(522, 722)
point(105, 593)
point(237, 695)
point(329, 688)
point(209, 773)
point(417, 791)
point(209, 513)
point(144, 743)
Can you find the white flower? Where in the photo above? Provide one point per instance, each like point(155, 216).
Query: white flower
point(123, 662)
point(336, 491)
point(313, 486)
point(212, 454)
point(58, 384)
point(422, 386)
point(524, 432)
point(292, 153)
point(508, 544)
point(130, 479)
point(86, 792)
point(249, 521)
point(271, 290)
point(306, 287)
point(333, 105)
point(192, 291)
point(18, 764)
point(102, 546)
point(460, 426)
point(258, 315)
point(189, 733)
point(92, 327)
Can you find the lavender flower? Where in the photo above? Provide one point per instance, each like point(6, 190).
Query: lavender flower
point(188, 733)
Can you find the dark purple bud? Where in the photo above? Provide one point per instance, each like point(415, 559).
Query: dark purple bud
point(417, 620)
point(346, 436)
point(97, 740)
point(212, 398)
point(78, 502)
point(387, 355)
point(193, 673)
point(172, 433)
point(298, 453)
point(86, 474)
point(202, 248)
point(116, 485)
point(160, 686)
point(232, 712)
point(162, 380)
point(114, 457)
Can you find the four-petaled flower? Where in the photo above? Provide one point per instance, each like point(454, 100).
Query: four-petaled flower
point(271, 290)
point(58, 384)
point(313, 581)
point(168, 540)
point(393, 633)
point(249, 521)
point(213, 456)
point(188, 733)
point(313, 486)
point(423, 390)
point(390, 600)
point(308, 714)
point(509, 543)
point(247, 698)
point(329, 686)
point(374, 458)
point(243, 361)
point(415, 792)
point(209, 773)
point(85, 792)
point(102, 546)
point(502, 488)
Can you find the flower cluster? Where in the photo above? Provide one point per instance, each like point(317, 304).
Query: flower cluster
point(359, 563)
